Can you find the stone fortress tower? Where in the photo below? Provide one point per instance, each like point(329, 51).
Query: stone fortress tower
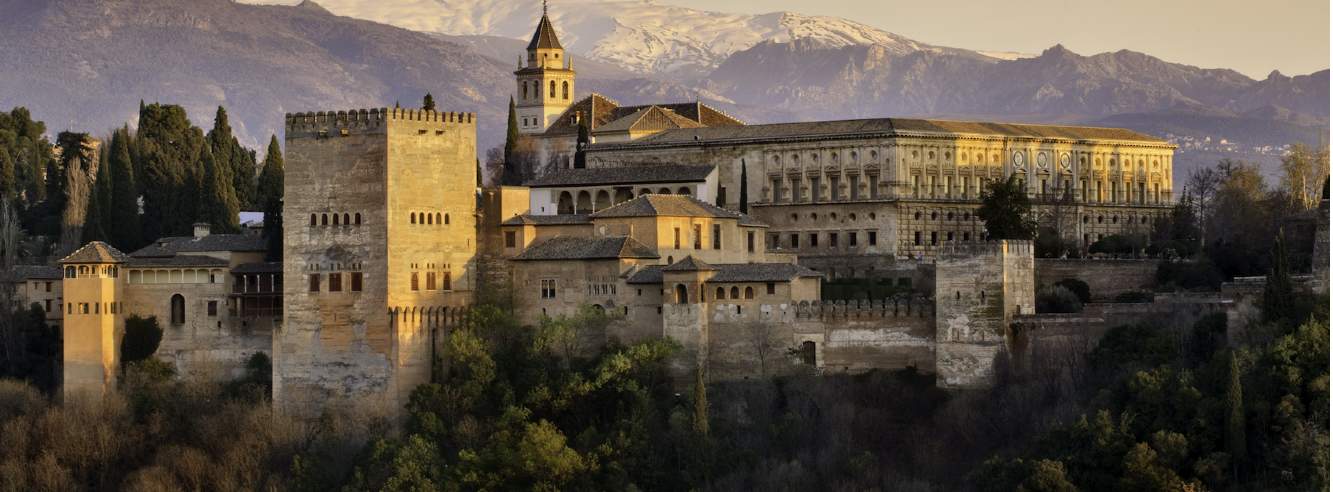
point(379, 252)
point(93, 325)
point(546, 83)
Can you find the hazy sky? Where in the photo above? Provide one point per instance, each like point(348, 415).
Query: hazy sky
point(1251, 36)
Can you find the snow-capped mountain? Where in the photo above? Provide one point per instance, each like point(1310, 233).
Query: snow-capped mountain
point(641, 36)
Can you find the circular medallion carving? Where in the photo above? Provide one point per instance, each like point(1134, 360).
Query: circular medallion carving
point(1041, 160)
point(1064, 161)
point(1018, 159)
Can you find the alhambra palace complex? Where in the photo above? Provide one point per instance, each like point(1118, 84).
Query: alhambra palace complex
point(685, 223)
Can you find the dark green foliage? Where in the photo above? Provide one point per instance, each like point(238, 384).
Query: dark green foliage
point(511, 175)
point(170, 151)
point(862, 289)
point(38, 345)
point(142, 336)
point(8, 180)
point(217, 204)
point(1117, 244)
point(1049, 244)
point(124, 211)
point(1279, 295)
point(1125, 348)
point(1058, 299)
point(1189, 275)
point(1235, 412)
point(1078, 287)
point(428, 102)
point(270, 198)
point(581, 148)
point(97, 220)
point(1007, 211)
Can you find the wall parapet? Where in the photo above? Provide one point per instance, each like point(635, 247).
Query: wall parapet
point(896, 307)
point(365, 119)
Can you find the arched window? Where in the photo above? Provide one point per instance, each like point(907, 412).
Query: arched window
point(358, 218)
point(683, 191)
point(346, 219)
point(552, 89)
point(335, 219)
point(565, 90)
point(565, 205)
point(735, 292)
point(584, 203)
point(314, 221)
point(749, 292)
point(525, 90)
point(429, 219)
point(664, 191)
point(69, 272)
point(177, 309)
point(682, 295)
point(83, 270)
point(412, 218)
point(324, 219)
point(721, 294)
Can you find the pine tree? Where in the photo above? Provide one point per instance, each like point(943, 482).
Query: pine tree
point(428, 103)
point(1278, 291)
point(1235, 425)
point(745, 190)
point(124, 205)
point(270, 198)
point(217, 204)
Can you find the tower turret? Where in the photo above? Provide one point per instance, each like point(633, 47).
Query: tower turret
point(546, 83)
point(93, 324)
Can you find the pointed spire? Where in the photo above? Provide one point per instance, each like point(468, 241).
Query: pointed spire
point(545, 37)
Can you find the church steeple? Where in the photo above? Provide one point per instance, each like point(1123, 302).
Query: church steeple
point(546, 83)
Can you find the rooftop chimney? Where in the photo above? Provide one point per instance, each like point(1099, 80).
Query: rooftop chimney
point(200, 229)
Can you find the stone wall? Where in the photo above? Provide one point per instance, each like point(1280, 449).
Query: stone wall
point(1105, 278)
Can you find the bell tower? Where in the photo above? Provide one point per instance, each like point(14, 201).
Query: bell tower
point(545, 81)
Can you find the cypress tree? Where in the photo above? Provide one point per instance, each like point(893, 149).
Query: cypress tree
point(428, 103)
point(96, 221)
point(8, 184)
point(170, 173)
point(270, 198)
point(1278, 291)
point(700, 402)
point(512, 175)
point(580, 152)
point(217, 204)
point(124, 205)
point(1235, 425)
point(745, 190)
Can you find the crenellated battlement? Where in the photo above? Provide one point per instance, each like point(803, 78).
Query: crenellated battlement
point(1017, 247)
point(321, 122)
point(896, 307)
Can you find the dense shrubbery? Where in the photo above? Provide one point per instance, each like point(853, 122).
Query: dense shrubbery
point(1058, 299)
point(1078, 287)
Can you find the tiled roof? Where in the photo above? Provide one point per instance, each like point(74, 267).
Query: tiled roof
point(689, 264)
point(544, 37)
point(732, 273)
point(264, 267)
point(670, 173)
point(96, 252)
point(648, 274)
point(888, 126)
point(650, 118)
point(603, 110)
point(36, 272)
point(565, 219)
point(586, 248)
point(171, 246)
point(178, 260)
point(760, 272)
point(670, 206)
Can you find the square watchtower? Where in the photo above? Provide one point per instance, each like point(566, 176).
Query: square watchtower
point(378, 252)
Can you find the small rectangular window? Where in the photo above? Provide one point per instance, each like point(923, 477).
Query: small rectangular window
point(356, 281)
point(416, 282)
point(814, 240)
point(749, 241)
point(851, 239)
point(795, 240)
point(717, 236)
point(511, 239)
point(48, 286)
point(833, 240)
point(772, 288)
point(212, 308)
point(916, 238)
point(336, 282)
point(872, 237)
point(48, 306)
point(677, 231)
point(446, 283)
point(314, 282)
point(698, 237)
point(548, 288)
point(722, 195)
point(430, 280)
